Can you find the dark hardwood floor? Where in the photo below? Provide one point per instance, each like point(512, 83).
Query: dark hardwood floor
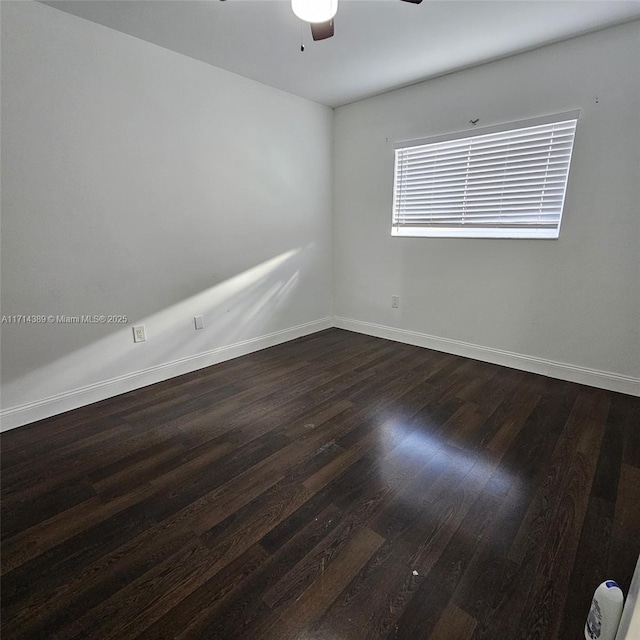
point(336, 487)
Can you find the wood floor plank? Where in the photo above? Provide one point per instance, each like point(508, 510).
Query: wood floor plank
point(96, 583)
point(627, 521)
point(19, 515)
point(41, 538)
point(315, 600)
point(541, 507)
point(236, 617)
point(338, 485)
point(542, 615)
point(454, 624)
point(193, 611)
point(58, 564)
point(591, 566)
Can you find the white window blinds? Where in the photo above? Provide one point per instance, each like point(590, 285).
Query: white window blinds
point(499, 183)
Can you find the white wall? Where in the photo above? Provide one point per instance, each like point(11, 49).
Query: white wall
point(138, 181)
point(569, 307)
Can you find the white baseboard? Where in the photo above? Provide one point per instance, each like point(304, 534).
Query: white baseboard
point(30, 412)
point(561, 370)
point(20, 415)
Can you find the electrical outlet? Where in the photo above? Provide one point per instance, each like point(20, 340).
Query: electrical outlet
point(395, 302)
point(199, 322)
point(139, 334)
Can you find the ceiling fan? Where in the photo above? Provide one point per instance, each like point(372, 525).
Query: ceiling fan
point(320, 13)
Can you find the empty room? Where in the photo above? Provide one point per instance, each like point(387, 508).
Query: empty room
point(320, 319)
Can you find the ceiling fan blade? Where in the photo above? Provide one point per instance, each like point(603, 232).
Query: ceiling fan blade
point(413, 1)
point(322, 30)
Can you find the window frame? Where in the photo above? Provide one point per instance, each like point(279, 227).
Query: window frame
point(532, 233)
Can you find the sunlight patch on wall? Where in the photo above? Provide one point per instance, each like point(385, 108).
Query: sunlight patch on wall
point(236, 309)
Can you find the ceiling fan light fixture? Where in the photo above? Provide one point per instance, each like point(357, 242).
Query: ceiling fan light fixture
point(315, 10)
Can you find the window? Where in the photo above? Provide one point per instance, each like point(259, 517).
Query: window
point(507, 181)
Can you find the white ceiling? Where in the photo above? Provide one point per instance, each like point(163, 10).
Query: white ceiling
point(378, 44)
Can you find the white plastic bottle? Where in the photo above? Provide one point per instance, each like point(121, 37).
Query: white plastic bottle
point(604, 615)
